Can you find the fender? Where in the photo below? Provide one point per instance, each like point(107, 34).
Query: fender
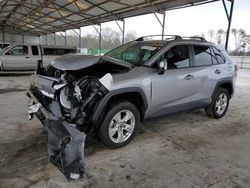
point(102, 105)
point(224, 81)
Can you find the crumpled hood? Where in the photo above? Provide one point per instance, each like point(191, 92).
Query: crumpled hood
point(77, 62)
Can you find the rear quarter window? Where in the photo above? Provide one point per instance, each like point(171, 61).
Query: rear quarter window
point(218, 55)
point(58, 51)
point(49, 51)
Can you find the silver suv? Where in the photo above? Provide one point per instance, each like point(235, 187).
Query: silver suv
point(110, 95)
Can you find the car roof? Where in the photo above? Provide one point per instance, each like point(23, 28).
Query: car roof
point(167, 41)
point(173, 38)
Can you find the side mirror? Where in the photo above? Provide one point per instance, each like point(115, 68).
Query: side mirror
point(162, 66)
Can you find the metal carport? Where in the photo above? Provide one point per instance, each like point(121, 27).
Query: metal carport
point(43, 17)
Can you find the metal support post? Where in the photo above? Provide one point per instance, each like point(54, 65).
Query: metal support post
point(79, 38)
point(229, 17)
point(162, 23)
point(65, 38)
point(100, 40)
point(122, 29)
point(3, 38)
point(54, 39)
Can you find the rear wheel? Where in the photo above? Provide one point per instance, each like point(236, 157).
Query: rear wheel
point(119, 125)
point(219, 105)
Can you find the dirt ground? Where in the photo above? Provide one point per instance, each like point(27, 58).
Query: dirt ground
point(184, 150)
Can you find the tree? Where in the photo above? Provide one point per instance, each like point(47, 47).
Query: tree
point(234, 31)
point(220, 36)
point(130, 36)
point(110, 38)
point(242, 33)
point(90, 41)
point(211, 34)
point(239, 35)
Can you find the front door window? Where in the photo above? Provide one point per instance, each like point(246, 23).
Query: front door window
point(18, 50)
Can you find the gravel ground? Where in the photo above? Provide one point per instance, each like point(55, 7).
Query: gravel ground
point(184, 150)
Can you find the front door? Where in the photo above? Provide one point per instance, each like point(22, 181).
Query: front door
point(173, 90)
point(16, 58)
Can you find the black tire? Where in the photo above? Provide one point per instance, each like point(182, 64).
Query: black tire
point(114, 109)
point(212, 111)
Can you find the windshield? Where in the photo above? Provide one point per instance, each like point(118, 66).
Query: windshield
point(136, 53)
point(5, 49)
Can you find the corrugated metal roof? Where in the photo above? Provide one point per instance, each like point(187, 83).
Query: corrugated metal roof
point(39, 17)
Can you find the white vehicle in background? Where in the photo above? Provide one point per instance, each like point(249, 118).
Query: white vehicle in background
point(19, 57)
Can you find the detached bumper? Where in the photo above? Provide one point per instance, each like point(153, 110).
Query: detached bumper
point(65, 142)
point(66, 148)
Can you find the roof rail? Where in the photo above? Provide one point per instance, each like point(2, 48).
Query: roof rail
point(176, 37)
point(195, 38)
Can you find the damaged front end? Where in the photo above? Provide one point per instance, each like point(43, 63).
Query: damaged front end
point(64, 101)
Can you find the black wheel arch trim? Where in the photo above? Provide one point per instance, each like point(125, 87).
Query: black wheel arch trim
point(102, 105)
point(221, 82)
point(1, 66)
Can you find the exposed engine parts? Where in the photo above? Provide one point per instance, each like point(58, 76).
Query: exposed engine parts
point(78, 99)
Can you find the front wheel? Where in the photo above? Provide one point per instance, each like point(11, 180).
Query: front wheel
point(119, 125)
point(219, 105)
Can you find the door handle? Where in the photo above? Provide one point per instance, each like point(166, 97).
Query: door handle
point(189, 77)
point(27, 57)
point(217, 71)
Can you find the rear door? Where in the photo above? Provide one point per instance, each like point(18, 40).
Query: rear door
point(17, 58)
point(174, 90)
point(35, 57)
point(204, 70)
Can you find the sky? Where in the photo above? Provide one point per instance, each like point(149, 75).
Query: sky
point(189, 21)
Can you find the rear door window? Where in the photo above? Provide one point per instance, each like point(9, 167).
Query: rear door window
point(72, 51)
point(58, 51)
point(202, 55)
point(34, 50)
point(49, 51)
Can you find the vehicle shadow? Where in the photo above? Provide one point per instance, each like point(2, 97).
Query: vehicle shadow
point(16, 74)
point(27, 158)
